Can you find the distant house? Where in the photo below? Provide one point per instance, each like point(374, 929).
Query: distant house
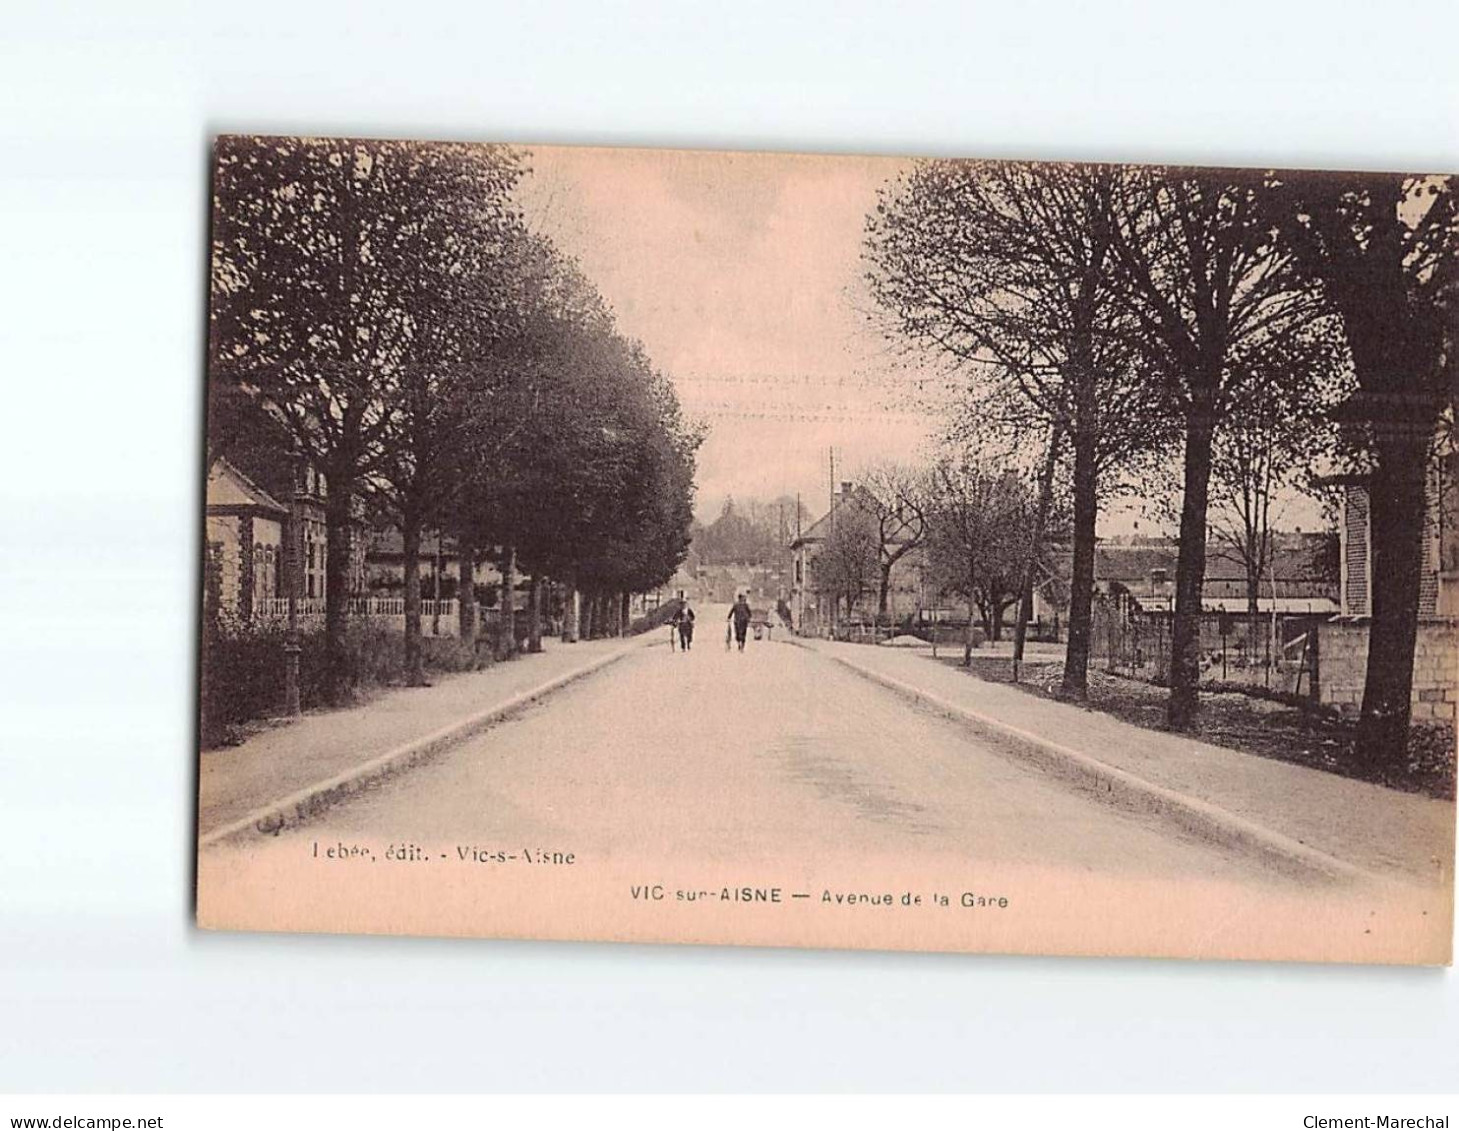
point(384, 565)
point(809, 603)
point(255, 500)
point(1134, 586)
point(245, 540)
point(1299, 576)
point(686, 580)
point(385, 562)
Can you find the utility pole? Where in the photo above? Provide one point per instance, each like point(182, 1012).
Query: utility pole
point(832, 452)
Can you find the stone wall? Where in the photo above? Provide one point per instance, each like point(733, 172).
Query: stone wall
point(1343, 659)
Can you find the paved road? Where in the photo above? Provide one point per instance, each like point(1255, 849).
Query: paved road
point(773, 753)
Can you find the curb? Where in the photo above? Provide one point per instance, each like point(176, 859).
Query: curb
point(312, 799)
point(1129, 791)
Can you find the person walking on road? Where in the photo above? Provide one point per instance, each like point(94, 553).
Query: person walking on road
point(674, 622)
point(740, 614)
point(686, 626)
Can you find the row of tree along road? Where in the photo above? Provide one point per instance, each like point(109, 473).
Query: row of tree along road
point(1251, 328)
point(445, 368)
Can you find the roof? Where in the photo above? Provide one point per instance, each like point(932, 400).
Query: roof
point(1285, 606)
point(1296, 555)
point(229, 491)
point(860, 500)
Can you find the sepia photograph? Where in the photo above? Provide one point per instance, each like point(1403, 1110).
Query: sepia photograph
point(834, 551)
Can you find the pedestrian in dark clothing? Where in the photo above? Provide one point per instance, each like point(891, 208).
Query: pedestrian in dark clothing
point(686, 627)
point(674, 622)
point(740, 614)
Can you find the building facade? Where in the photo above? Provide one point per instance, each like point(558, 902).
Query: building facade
point(245, 528)
point(252, 516)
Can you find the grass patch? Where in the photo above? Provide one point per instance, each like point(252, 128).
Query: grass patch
point(1267, 725)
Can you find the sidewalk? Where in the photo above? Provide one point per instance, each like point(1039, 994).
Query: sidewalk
point(322, 747)
point(1367, 826)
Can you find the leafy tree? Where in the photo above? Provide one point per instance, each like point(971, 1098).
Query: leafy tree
point(593, 481)
point(735, 537)
point(516, 392)
point(317, 259)
point(469, 255)
point(1385, 251)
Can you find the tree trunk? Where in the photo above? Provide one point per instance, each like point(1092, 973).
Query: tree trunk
point(883, 591)
point(534, 615)
point(339, 532)
point(968, 638)
point(1190, 574)
point(415, 675)
point(1253, 604)
point(1081, 584)
point(1397, 509)
point(467, 617)
point(509, 603)
point(999, 608)
point(571, 616)
point(1036, 548)
point(623, 611)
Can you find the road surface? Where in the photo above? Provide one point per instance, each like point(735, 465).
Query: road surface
point(776, 753)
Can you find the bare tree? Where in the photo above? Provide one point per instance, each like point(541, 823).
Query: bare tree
point(1268, 446)
point(896, 496)
point(847, 565)
point(981, 523)
point(1217, 297)
point(1005, 268)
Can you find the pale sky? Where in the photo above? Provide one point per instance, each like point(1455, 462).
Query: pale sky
point(741, 275)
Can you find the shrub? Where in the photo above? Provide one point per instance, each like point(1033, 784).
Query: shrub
point(243, 669)
point(655, 619)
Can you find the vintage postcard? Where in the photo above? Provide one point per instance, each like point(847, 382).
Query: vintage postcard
point(830, 551)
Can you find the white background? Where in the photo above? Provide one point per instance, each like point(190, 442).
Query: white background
point(105, 115)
